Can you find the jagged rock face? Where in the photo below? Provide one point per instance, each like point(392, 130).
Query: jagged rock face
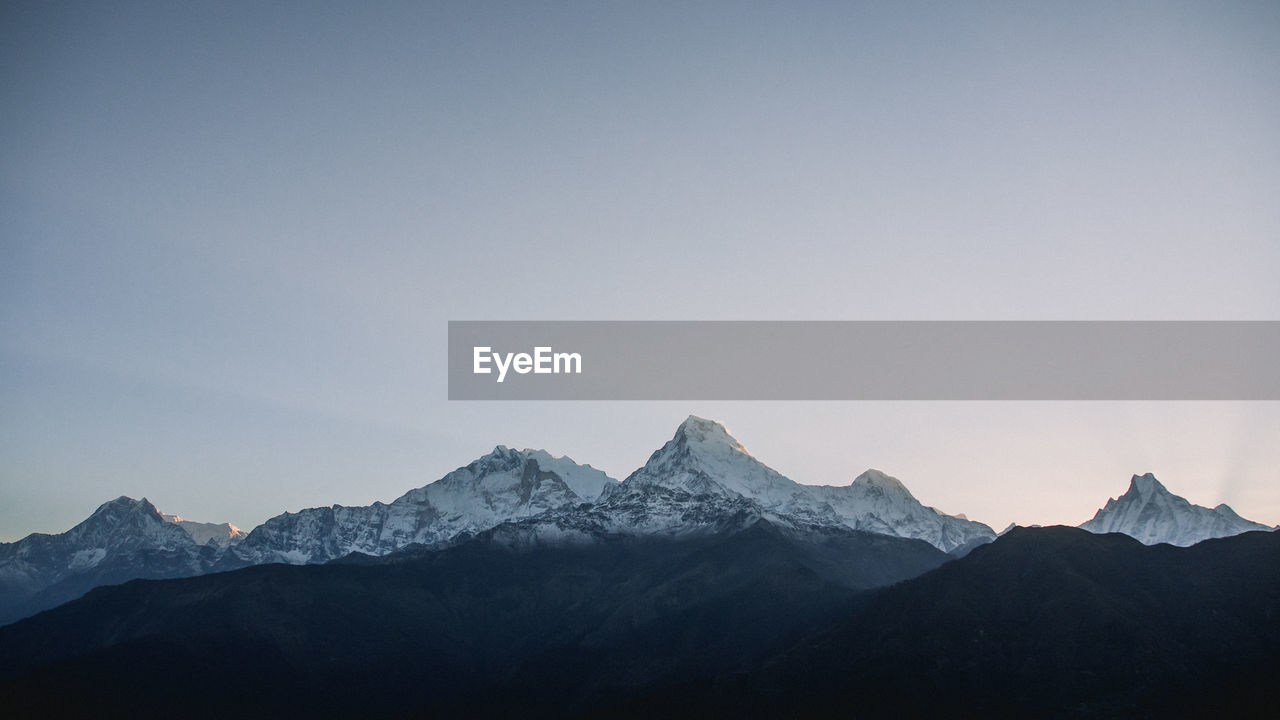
point(123, 539)
point(504, 485)
point(1151, 514)
point(639, 511)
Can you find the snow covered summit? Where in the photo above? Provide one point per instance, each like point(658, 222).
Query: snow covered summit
point(504, 485)
point(1151, 514)
point(704, 459)
point(880, 503)
point(123, 539)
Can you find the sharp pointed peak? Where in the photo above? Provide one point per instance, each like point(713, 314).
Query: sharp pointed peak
point(1147, 485)
point(698, 425)
point(703, 457)
point(706, 433)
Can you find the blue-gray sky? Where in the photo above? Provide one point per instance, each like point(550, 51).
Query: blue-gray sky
point(232, 233)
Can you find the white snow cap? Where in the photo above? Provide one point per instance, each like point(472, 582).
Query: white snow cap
point(1151, 514)
point(708, 434)
point(878, 479)
point(704, 459)
point(1147, 485)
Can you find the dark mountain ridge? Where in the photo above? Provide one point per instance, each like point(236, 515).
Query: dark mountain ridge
point(548, 626)
point(1044, 622)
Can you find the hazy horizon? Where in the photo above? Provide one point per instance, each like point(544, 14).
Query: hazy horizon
point(1069, 497)
point(234, 234)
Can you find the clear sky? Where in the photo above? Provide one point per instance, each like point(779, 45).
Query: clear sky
point(231, 234)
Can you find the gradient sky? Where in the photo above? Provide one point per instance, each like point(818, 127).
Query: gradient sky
point(231, 235)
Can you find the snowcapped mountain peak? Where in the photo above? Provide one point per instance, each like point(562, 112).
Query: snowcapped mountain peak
point(878, 502)
point(703, 458)
point(121, 512)
point(1147, 485)
point(708, 434)
point(506, 484)
point(585, 481)
point(875, 479)
point(505, 468)
point(500, 454)
point(125, 503)
point(1151, 514)
point(125, 520)
point(122, 539)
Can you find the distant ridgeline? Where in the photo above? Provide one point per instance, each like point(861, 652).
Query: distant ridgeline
point(754, 619)
point(705, 581)
point(698, 483)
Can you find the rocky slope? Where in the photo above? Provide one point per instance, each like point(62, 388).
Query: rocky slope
point(123, 539)
point(504, 485)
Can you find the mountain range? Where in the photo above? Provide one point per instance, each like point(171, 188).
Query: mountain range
point(753, 620)
point(701, 483)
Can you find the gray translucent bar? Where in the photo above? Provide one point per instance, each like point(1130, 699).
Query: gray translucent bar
point(874, 360)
